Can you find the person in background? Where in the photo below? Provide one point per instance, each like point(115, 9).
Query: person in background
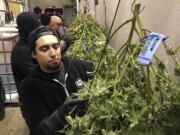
point(56, 25)
point(46, 95)
point(45, 19)
point(21, 60)
point(38, 10)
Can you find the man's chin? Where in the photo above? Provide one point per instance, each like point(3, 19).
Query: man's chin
point(54, 67)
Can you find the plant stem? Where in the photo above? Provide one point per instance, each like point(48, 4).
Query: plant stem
point(112, 35)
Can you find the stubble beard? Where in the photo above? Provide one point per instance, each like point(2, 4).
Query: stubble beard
point(53, 67)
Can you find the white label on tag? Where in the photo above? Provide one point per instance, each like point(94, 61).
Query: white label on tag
point(151, 44)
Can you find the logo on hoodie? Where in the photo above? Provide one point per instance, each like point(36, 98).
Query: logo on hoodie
point(79, 83)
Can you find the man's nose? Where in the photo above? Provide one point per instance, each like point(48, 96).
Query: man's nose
point(52, 51)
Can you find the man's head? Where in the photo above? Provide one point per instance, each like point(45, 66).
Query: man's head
point(55, 23)
point(45, 19)
point(45, 48)
point(38, 10)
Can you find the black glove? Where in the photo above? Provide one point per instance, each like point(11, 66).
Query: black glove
point(73, 107)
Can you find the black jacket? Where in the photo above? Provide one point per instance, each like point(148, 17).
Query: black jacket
point(21, 62)
point(21, 59)
point(41, 94)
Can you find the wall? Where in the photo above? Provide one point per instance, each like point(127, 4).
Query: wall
point(159, 15)
point(26, 5)
point(14, 7)
point(2, 7)
point(69, 14)
point(46, 3)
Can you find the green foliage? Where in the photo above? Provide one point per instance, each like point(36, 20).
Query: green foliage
point(173, 53)
point(88, 40)
point(124, 98)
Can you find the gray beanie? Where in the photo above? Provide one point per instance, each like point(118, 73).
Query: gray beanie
point(35, 34)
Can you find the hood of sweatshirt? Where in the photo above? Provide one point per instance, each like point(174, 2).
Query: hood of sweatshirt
point(26, 23)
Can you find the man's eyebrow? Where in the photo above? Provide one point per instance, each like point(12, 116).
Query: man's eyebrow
point(55, 43)
point(50, 44)
point(44, 45)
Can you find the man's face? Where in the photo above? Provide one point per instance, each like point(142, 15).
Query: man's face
point(54, 26)
point(47, 53)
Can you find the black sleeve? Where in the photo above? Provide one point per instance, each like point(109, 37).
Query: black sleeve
point(85, 69)
point(67, 43)
point(25, 62)
point(36, 114)
point(22, 64)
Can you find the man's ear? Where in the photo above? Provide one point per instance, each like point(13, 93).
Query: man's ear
point(33, 55)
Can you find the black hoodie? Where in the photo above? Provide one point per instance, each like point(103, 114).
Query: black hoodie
point(21, 59)
point(41, 95)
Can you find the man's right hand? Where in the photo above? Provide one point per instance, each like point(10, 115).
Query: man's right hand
point(73, 107)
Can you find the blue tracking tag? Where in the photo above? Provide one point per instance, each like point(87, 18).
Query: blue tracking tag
point(151, 43)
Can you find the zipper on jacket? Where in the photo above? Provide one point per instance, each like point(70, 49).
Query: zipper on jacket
point(63, 85)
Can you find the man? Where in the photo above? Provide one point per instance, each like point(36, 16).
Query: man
point(21, 59)
point(46, 94)
point(56, 25)
point(45, 19)
point(38, 10)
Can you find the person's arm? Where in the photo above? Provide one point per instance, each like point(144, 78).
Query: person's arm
point(37, 116)
point(25, 63)
point(85, 69)
point(65, 44)
point(22, 64)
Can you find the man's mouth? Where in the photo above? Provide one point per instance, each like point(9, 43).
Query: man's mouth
point(53, 61)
